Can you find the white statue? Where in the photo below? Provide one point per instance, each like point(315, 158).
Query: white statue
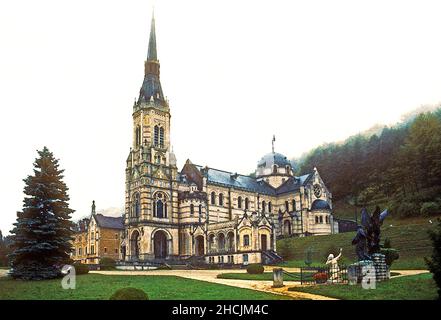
point(333, 269)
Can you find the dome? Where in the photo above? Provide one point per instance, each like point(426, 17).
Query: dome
point(320, 205)
point(273, 158)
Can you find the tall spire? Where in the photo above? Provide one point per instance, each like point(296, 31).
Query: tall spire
point(152, 54)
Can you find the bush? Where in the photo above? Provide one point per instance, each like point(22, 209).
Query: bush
point(81, 268)
point(391, 255)
point(430, 208)
point(255, 268)
point(107, 264)
point(434, 263)
point(408, 209)
point(129, 294)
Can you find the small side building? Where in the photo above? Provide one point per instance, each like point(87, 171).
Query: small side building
point(97, 237)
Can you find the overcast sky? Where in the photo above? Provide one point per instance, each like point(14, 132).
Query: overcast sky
point(235, 72)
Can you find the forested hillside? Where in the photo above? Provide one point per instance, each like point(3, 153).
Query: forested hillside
point(399, 167)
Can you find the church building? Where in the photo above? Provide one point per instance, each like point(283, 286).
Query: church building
point(204, 213)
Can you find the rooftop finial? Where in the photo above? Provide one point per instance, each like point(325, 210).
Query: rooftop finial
point(274, 140)
point(152, 54)
point(93, 207)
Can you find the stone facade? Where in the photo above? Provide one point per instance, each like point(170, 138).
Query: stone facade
point(97, 237)
point(218, 216)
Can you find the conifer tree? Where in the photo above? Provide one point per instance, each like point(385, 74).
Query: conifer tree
point(41, 236)
point(434, 263)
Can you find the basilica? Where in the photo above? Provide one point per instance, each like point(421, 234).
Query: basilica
point(203, 213)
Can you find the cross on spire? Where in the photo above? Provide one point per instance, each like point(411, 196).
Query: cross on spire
point(274, 140)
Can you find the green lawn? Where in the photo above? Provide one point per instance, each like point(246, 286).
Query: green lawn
point(418, 287)
point(408, 236)
point(101, 287)
point(266, 276)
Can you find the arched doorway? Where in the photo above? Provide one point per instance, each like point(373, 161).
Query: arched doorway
point(264, 242)
point(230, 241)
point(160, 244)
point(287, 227)
point(221, 242)
point(211, 244)
point(199, 245)
point(134, 245)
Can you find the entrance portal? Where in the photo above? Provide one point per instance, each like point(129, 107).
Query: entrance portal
point(263, 242)
point(199, 245)
point(160, 245)
point(134, 246)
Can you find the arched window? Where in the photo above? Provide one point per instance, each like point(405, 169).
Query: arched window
point(263, 206)
point(321, 219)
point(160, 206)
point(161, 137)
point(274, 169)
point(287, 205)
point(316, 219)
point(213, 198)
point(288, 170)
point(270, 207)
point(200, 209)
point(327, 219)
point(293, 205)
point(247, 204)
point(156, 136)
point(239, 202)
point(136, 205)
point(221, 199)
point(246, 240)
point(192, 209)
point(138, 136)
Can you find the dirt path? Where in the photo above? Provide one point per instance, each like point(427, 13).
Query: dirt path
point(403, 273)
point(211, 276)
point(3, 272)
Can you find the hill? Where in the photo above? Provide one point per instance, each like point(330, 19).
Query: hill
point(409, 236)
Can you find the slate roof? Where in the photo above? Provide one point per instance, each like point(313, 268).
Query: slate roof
point(109, 222)
point(248, 183)
point(273, 158)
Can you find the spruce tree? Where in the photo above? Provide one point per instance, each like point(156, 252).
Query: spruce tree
point(43, 231)
point(434, 263)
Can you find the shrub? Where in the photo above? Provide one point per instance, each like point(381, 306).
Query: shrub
point(129, 294)
point(434, 263)
point(107, 264)
point(390, 254)
point(408, 209)
point(255, 268)
point(320, 277)
point(430, 208)
point(308, 256)
point(81, 268)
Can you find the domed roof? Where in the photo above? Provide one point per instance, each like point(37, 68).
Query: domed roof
point(272, 158)
point(320, 205)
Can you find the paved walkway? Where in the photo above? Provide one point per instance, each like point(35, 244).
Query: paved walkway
point(3, 272)
point(211, 276)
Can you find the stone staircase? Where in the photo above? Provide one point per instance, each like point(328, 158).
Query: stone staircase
point(271, 257)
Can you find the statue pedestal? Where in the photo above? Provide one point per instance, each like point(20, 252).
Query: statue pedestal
point(358, 270)
point(382, 272)
point(277, 277)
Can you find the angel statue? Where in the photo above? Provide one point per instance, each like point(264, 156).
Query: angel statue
point(333, 262)
point(367, 239)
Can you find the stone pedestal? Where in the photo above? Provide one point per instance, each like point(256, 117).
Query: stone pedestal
point(277, 277)
point(381, 269)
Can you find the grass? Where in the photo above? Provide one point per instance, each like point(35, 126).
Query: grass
point(417, 287)
point(101, 287)
point(409, 236)
point(266, 276)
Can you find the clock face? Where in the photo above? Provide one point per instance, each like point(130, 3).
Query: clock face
point(317, 190)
